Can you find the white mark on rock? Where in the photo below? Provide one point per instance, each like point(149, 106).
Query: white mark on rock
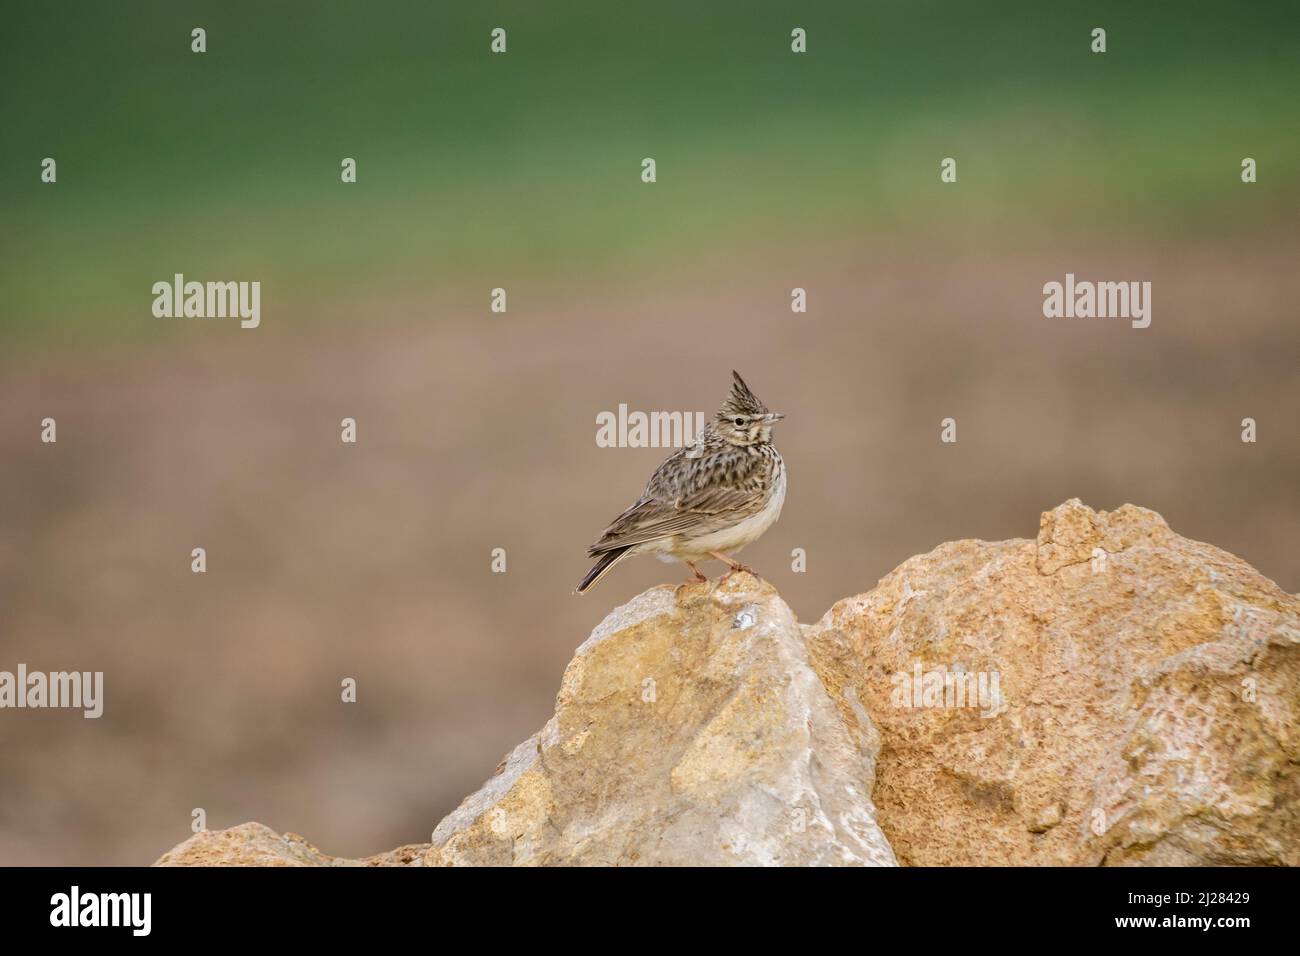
point(907, 596)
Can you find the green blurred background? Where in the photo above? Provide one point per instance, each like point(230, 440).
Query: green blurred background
point(775, 170)
point(471, 164)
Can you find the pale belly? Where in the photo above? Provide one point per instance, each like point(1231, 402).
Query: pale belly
point(732, 539)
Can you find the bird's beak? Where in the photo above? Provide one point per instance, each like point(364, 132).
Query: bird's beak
point(775, 416)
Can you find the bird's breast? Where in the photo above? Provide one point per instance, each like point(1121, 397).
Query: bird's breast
point(748, 530)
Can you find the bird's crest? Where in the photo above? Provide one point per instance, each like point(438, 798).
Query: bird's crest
point(741, 401)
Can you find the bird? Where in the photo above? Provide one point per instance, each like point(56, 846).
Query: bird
point(708, 498)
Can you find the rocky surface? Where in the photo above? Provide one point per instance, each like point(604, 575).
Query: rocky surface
point(252, 844)
point(1145, 713)
point(1110, 693)
point(689, 729)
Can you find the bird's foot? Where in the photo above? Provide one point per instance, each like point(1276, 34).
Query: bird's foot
point(684, 585)
point(733, 566)
point(733, 569)
point(699, 578)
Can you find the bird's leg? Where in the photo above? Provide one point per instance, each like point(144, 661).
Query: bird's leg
point(698, 579)
point(734, 565)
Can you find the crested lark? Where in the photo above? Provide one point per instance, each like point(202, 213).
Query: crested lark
point(714, 496)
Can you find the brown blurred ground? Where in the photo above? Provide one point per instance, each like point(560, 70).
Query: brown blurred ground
point(477, 431)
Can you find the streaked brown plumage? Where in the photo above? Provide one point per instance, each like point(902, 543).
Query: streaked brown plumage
point(707, 499)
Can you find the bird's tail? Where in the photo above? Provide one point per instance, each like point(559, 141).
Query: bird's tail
point(607, 561)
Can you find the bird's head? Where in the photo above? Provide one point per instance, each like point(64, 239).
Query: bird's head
point(743, 419)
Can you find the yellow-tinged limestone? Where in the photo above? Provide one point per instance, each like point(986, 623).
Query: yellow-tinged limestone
point(1133, 701)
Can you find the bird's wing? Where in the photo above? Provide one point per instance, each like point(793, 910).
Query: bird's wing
point(686, 494)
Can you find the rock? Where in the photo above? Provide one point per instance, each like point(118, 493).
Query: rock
point(251, 844)
point(1141, 698)
point(1110, 693)
point(689, 730)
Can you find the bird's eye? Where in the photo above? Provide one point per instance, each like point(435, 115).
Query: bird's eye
point(740, 423)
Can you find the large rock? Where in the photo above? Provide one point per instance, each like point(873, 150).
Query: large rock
point(689, 729)
point(1140, 708)
point(1111, 693)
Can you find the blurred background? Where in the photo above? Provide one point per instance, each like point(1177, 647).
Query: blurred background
point(477, 430)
